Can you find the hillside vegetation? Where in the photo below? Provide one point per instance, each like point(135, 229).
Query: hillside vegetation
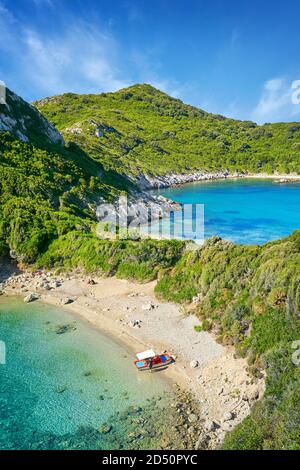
point(44, 194)
point(249, 295)
point(142, 130)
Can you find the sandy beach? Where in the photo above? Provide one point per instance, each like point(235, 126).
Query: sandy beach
point(131, 314)
point(278, 177)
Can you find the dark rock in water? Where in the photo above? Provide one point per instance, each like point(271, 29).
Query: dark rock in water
point(131, 436)
point(88, 373)
point(61, 329)
point(105, 428)
point(61, 389)
point(134, 409)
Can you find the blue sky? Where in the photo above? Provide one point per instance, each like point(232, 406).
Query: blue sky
point(233, 57)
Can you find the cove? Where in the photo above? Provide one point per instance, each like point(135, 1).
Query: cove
point(247, 211)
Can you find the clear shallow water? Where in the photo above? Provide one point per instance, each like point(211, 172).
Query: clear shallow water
point(57, 390)
point(244, 211)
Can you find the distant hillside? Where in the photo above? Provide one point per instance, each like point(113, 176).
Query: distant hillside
point(142, 130)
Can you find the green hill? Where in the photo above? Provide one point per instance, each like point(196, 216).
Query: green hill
point(142, 130)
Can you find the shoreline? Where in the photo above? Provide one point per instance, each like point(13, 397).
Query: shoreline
point(113, 306)
point(147, 182)
point(140, 203)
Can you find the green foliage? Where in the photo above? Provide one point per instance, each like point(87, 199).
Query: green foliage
point(142, 130)
point(44, 193)
point(198, 328)
point(140, 260)
point(252, 292)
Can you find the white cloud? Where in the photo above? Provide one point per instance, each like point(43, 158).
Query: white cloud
point(42, 3)
point(7, 23)
point(84, 57)
point(83, 60)
point(275, 103)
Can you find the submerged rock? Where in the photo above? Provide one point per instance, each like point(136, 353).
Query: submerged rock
point(105, 428)
point(61, 389)
point(134, 409)
point(61, 329)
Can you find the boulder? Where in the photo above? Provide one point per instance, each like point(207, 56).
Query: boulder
point(66, 301)
point(31, 297)
point(148, 306)
point(228, 416)
point(210, 426)
point(194, 363)
point(135, 323)
point(193, 418)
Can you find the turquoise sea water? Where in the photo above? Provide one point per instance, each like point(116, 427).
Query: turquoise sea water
point(243, 211)
point(59, 390)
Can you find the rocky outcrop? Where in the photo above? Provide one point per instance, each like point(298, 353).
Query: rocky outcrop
point(66, 301)
point(137, 209)
point(172, 179)
point(26, 123)
point(285, 180)
point(31, 298)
